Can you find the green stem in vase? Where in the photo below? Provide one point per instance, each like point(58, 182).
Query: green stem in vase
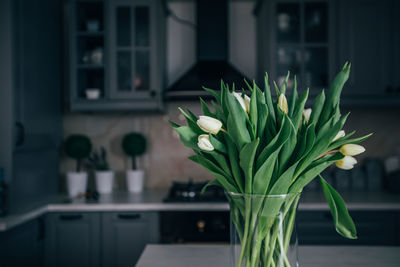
point(274, 236)
point(290, 225)
point(245, 233)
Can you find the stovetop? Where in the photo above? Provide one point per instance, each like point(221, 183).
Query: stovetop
point(191, 192)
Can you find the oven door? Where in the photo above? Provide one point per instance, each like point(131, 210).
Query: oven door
point(194, 227)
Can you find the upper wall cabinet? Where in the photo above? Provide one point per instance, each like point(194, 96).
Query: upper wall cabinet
point(314, 38)
point(116, 54)
point(367, 39)
point(296, 36)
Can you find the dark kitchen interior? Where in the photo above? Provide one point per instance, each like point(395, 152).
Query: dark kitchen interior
point(110, 74)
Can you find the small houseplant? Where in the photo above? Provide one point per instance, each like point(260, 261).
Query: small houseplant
point(77, 147)
point(103, 174)
point(263, 152)
point(134, 145)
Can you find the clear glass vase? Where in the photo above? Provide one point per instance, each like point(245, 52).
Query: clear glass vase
point(263, 230)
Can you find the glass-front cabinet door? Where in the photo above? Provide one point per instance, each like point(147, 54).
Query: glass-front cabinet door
point(88, 72)
point(132, 54)
point(301, 42)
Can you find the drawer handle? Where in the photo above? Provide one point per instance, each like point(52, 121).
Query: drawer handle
point(70, 217)
point(129, 216)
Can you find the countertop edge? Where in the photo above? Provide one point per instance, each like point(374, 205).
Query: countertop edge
point(156, 205)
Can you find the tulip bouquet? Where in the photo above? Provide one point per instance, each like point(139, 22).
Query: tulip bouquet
point(259, 146)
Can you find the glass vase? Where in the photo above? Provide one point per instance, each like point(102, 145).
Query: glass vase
point(263, 230)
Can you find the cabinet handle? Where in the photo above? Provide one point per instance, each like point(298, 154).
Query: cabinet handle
point(71, 217)
point(129, 216)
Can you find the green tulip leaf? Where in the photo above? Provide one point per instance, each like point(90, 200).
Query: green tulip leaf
point(219, 174)
point(313, 171)
point(205, 108)
point(344, 140)
point(333, 96)
point(188, 136)
point(213, 93)
point(253, 111)
point(218, 145)
point(192, 123)
point(298, 110)
point(293, 98)
point(246, 159)
point(342, 220)
point(263, 176)
point(268, 98)
point(317, 107)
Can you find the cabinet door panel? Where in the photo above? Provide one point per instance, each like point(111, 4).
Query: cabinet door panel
point(72, 239)
point(132, 49)
point(366, 31)
point(22, 245)
point(125, 236)
point(316, 228)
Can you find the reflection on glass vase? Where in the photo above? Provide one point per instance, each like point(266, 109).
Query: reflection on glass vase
point(263, 231)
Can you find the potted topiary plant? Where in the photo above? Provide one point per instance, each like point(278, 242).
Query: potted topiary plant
point(78, 147)
point(134, 145)
point(104, 176)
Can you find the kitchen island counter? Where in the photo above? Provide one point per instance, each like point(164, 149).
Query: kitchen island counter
point(152, 200)
point(309, 256)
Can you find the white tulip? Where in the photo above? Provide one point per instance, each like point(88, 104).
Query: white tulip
point(282, 103)
point(351, 149)
point(307, 114)
point(209, 124)
point(340, 134)
point(346, 163)
point(245, 103)
point(204, 142)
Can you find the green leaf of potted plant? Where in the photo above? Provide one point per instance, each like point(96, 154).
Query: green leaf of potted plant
point(103, 174)
point(77, 147)
point(134, 145)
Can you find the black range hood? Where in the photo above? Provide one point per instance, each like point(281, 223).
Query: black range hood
point(212, 54)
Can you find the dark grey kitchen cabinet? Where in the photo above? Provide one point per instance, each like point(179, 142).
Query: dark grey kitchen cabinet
point(72, 239)
point(296, 36)
point(125, 235)
point(373, 228)
point(367, 38)
point(116, 54)
point(23, 245)
point(30, 99)
point(314, 38)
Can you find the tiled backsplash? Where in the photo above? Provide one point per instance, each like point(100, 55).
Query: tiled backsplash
point(166, 159)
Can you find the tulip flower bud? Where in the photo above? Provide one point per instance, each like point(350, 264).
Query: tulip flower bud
point(245, 103)
point(346, 163)
point(307, 114)
point(204, 142)
point(351, 149)
point(209, 124)
point(340, 134)
point(282, 103)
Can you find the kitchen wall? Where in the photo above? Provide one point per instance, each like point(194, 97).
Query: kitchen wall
point(166, 159)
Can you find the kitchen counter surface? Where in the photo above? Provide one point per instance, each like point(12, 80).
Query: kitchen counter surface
point(152, 200)
point(309, 256)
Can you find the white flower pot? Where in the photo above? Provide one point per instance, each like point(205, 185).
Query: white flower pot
point(135, 180)
point(76, 183)
point(104, 181)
